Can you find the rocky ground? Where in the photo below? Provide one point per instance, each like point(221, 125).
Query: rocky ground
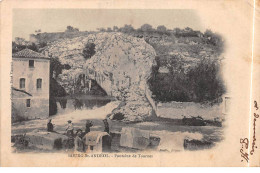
point(165, 129)
point(123, 60)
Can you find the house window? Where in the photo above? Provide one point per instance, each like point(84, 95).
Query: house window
point(28, 103)
point(22, 83)
point(39, 83)
point(31, 63)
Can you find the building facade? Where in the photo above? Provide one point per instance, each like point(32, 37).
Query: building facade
point(30, 85)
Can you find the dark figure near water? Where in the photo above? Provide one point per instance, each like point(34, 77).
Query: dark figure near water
point(50, 126)
point(106, 126)
point(88, 125)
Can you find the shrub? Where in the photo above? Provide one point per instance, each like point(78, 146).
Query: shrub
point(205, 82)
point(199, 84)
point(118, 116)
point(52, 106)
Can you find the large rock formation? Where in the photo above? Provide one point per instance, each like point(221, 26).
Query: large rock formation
point(121, 66)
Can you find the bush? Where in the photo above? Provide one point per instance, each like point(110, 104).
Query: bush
point(89, 50)
point(56, 90)
point(199, 84)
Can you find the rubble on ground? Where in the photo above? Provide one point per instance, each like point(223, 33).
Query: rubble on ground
point(123, 61)
point(46, 140)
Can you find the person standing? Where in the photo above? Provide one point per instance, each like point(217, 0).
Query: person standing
point(106, 126)
point(50, 126)
point(78, 142)
point(88, 125)
point(70, 129)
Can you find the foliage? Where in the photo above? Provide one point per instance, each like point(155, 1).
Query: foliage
point(205, 82)
point(71, 29)
point(52, 106)
point(115, 28)
point(101, 29)
point(146, 27)
point(56, 67)
point(214, 39)
point(109, 29)
point(201, 83)
point(17, 47)
point(56, 90)
point(118, 116)
point(89, 50)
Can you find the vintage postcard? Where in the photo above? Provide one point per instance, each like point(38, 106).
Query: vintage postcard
point(130, 83)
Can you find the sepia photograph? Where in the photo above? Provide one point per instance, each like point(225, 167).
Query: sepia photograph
point(154, 85)
point(162, 85)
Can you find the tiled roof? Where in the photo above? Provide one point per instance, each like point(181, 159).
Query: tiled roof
point(28, 53)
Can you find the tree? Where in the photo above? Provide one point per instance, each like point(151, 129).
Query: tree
point(101, 29)
point(161, 28)
point(109, 29)
point(215, 40)
point(38, 31)
point(146, 27)
point(33, 47)
point(89, 50)
point(72, 29)
point(176, 30)
point(17, 47)
point(42, 44)
point(127, 29)
point(205, 82)
point(55, 67)
point(19, 40)
point(69, 28)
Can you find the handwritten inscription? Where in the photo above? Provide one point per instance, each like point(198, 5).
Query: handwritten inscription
point(245, 142)
point(101, 155)
point(255, 105)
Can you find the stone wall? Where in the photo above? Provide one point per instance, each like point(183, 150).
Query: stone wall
point(121, 66)
point(49, 37)
point(103, 80)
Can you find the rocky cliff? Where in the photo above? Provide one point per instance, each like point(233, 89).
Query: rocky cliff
point(121, 65)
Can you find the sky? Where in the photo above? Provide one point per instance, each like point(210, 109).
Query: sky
point(26, 21)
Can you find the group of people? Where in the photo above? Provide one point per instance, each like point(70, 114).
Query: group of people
point(76, 140)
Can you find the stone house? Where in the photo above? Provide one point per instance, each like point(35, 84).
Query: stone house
point(30, 85)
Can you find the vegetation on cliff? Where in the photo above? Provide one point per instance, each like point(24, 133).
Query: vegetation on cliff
point(121, 65)
point(89, 50)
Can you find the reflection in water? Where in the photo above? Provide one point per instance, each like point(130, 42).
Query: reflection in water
point(66, 105)
point(63, 103)
point(77, 104)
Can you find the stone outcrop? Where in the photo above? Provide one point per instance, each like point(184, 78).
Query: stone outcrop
point(46, 140)
point(121, 66)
